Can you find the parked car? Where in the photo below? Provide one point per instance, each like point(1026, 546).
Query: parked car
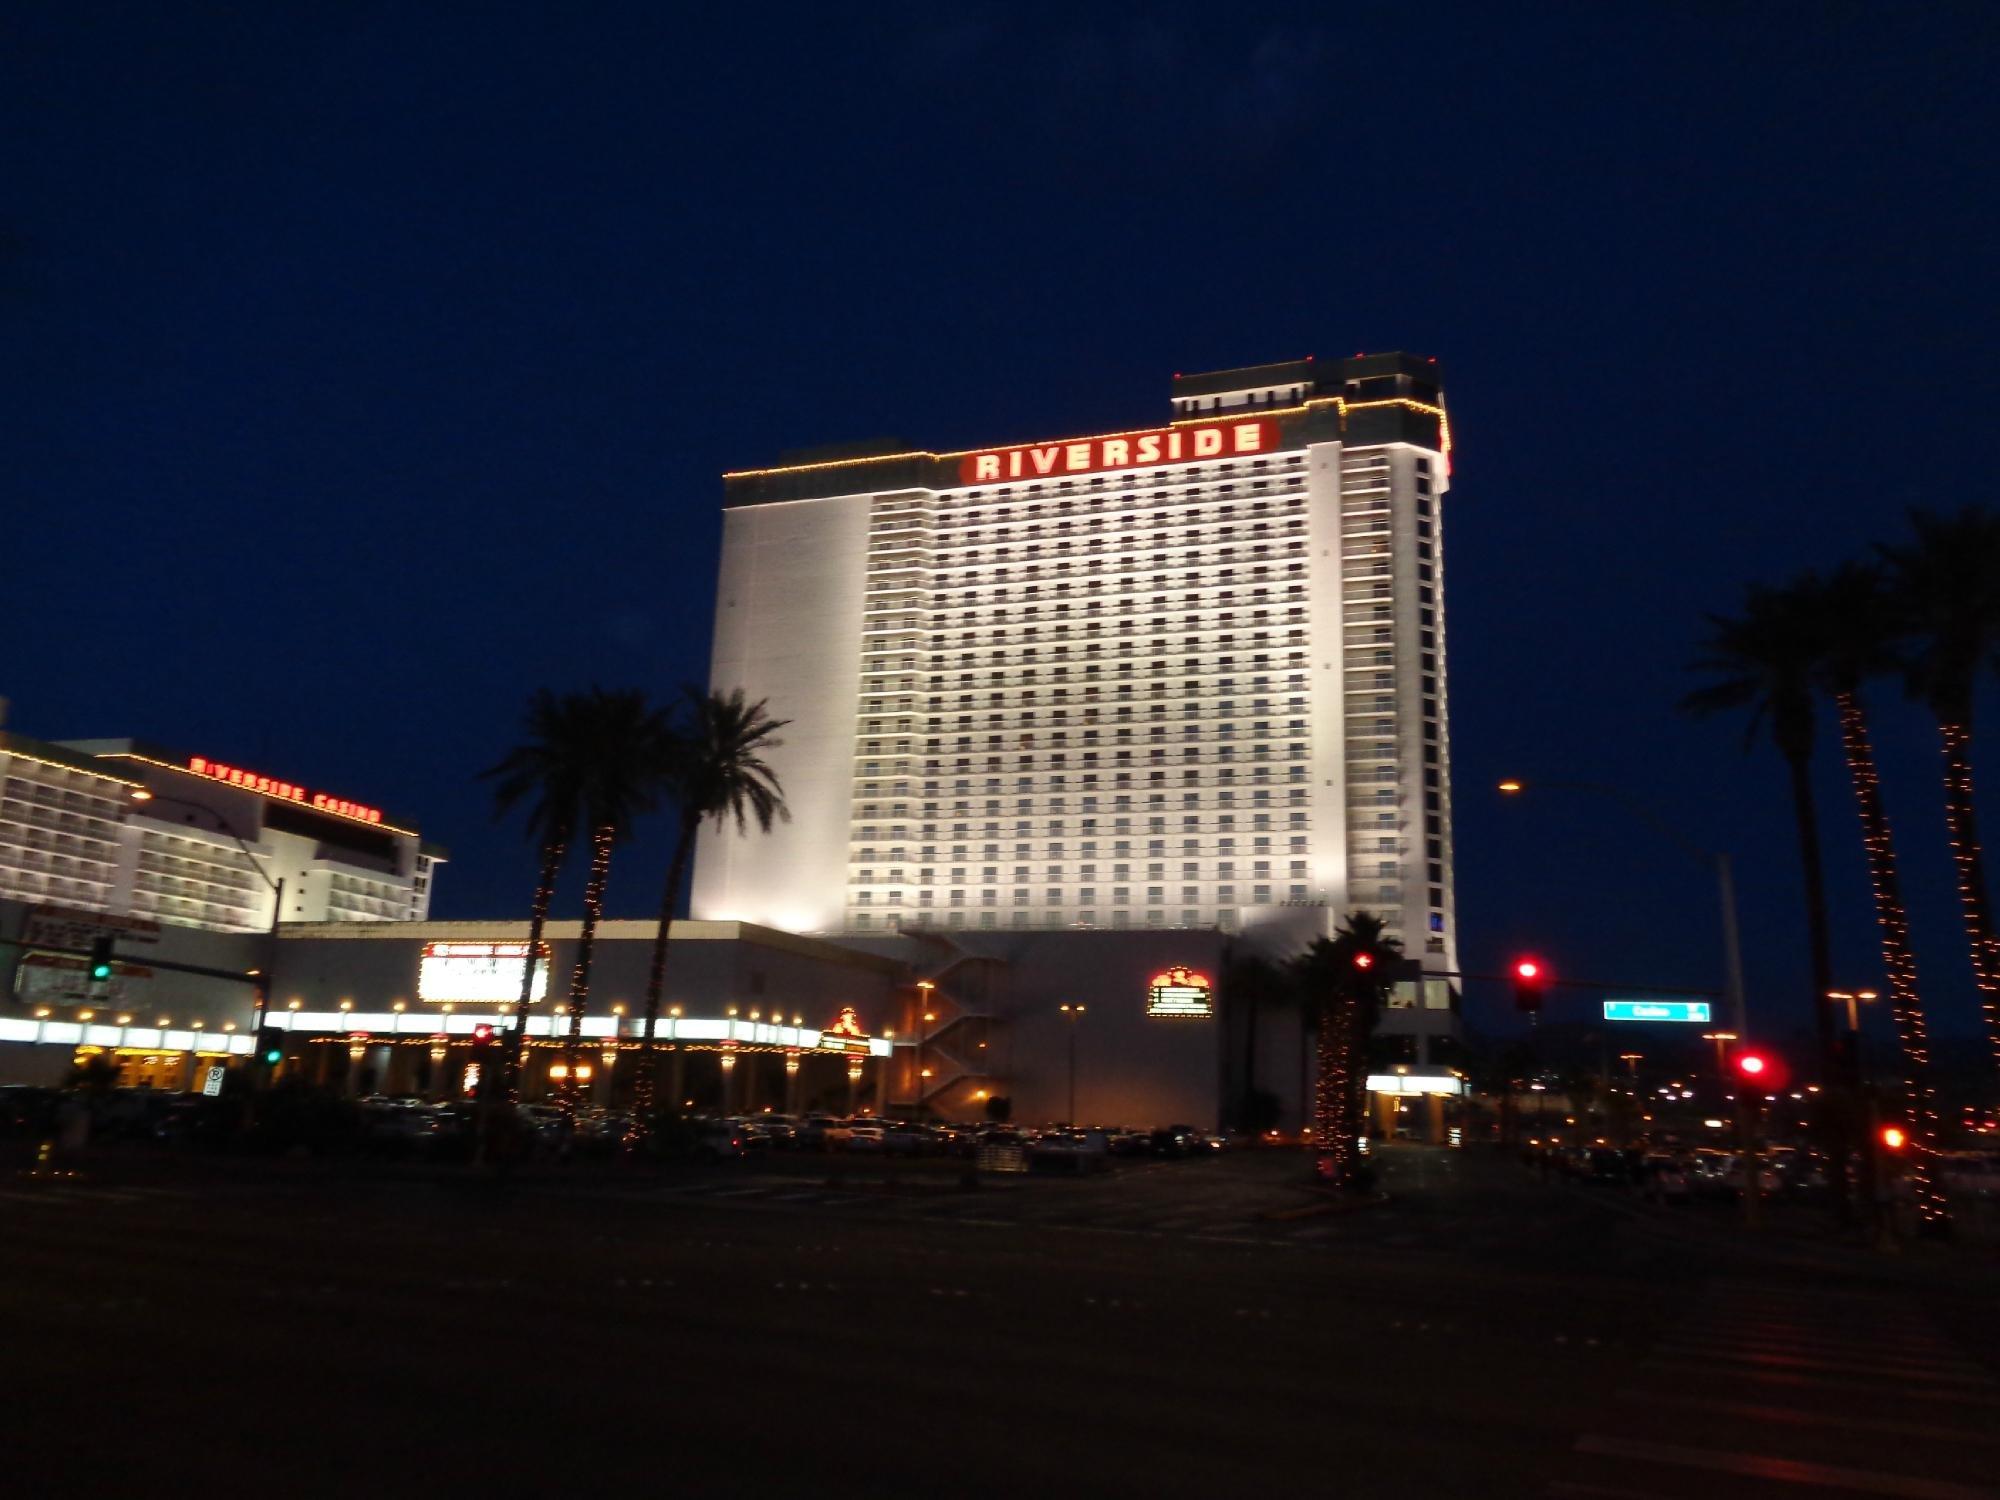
point(782, 1131)
point(397, 1127)
point(1178, 1140)
point(1974, 1173)
point(1123, 1141)
point(1666, 1180)
point(543, 1119)
point(1070, 1150)
point(866, 1135)
point(717, 1140)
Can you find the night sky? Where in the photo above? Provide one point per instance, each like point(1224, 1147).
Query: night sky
point(367, 366)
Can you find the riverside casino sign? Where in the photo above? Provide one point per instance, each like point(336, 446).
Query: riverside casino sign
point(1125, 450)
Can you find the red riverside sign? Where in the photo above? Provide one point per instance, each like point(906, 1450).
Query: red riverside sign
point(286, 791)
point(1127, 450)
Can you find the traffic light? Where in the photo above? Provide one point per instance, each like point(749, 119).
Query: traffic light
point(1761, 1071)
point(1364, 961)
point(482, 1034)
point(1893, 1138)
point(270, 1046)
point(1531, 979)
point(100, 960)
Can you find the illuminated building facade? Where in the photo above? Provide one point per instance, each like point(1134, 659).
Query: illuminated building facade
point(1183, 677)
point(123, 827)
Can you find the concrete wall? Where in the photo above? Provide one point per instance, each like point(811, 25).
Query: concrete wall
point(788, 615)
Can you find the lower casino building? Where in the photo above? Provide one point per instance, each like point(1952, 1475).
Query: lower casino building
point(1072, 726)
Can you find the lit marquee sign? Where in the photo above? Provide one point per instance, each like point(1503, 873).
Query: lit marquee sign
point(284, 791)
point(478, 973)
point(1127, 450)
point(1181, 992)
point(845, 1034)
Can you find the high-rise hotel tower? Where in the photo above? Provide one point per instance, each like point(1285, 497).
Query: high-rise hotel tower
point(1183, 676)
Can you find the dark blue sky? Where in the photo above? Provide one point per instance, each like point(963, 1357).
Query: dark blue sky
point(367, 366)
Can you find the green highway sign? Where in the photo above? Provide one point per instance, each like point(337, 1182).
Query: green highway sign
point(1657, 1010)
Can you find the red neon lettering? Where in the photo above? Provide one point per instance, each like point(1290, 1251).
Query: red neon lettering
point(1172, 445)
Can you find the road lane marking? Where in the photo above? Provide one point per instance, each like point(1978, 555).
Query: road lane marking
point(1794, 1471)
point(1851, 1356)
point(1800, 1416)
point(1728, 1355)
point(1966, 1397)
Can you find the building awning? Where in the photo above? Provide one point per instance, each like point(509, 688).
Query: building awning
point(139, 1038)
point(1416, 1081)
point(718, 1031)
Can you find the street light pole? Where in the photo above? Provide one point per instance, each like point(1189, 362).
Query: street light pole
point(1725, 879)
point(264, 975)
point(1072, 1014)
point(1866, 1174)
point(1722, 1039)
point(924, 1018)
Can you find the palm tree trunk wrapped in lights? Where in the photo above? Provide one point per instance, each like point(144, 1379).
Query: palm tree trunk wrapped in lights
point(538, 921)
point(594, 759)
point(714, 768)
point(643, 1087)
point(1962, 822)
point(1342, 977)
point(601, 840)
point(1944, 590)
point(1899, 960)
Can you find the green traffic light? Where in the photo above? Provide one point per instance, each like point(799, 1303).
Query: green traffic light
point(100, 971)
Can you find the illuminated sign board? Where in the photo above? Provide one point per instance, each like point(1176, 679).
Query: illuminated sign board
point(64, 979)
point(1413, 1083)
point(845, 1034)
point(1181, 992)
point(1697, 1011)
point(478, 973)
point(1125, 450)
point(284, 791)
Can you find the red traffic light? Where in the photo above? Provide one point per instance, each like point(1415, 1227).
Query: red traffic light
point(482, 1034)
point(1364, 961)
point(1763, 1071)
point(1531, 978)
point(1893, 1138)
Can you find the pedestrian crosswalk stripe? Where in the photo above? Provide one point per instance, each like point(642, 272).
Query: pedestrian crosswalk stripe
point(1800, 1416)
point(1698, 1370)
point(1862, 1366)
point(1862, 1356)
point(1795, 1471)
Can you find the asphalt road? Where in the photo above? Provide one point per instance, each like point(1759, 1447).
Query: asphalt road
point(1182, 1329)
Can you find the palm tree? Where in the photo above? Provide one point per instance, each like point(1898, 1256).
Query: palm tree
point(1765, 660)
point(1343, 978)
point(592, 761)
point(715, 769)
point(1946, 588)
point(1858, 640)
point(1253, 982)
point(546, 771)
